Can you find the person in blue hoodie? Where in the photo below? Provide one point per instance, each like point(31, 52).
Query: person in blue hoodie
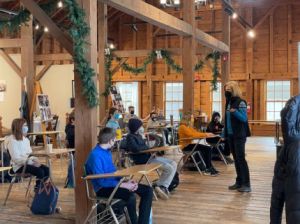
point(99, 162)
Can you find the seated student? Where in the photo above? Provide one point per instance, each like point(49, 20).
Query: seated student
point(99, 162)
point(184, 131)
point(216, 127)
point(70, 136)
point(19, 149)
point(113, 118)
point(130, 114)
point(154, 122)
point(135, 143)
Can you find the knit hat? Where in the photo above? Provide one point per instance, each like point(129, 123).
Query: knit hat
point(134, 124)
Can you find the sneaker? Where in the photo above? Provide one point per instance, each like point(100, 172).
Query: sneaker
point(244, 189)
point(234, 187)
point(58, 210)
point(162, 192)
point(211, 172)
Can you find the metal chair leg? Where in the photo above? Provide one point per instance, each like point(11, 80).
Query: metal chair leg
point(150, 185)
point(113, 215)
point(222, 156)
point(9, 189)
point(90, 213)
point(128, 220)
point(195, 162)
point(28, 187)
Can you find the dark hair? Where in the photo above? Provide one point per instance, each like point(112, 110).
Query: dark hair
point(130, 107)
point(105, 135)
point(111, 112)
point(16, 128)
point(153, 113)
point(214, 115)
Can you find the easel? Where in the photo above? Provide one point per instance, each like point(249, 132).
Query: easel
point(38, 90)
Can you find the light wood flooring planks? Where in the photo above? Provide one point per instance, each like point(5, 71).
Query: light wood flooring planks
point(198, 199)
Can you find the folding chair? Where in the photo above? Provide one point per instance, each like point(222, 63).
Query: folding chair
point(191, 154)
point(218, 146)
point(108, 215)
point(15, 177)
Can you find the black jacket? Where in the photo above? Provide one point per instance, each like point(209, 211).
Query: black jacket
point(135, 144)
point(240, 129)
point(286, 180)
point(70, 135)
point(213, 126)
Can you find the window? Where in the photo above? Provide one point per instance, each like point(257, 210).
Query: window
point(278, 92)
point(129, 93)
point(217, 99)
point(173, 99)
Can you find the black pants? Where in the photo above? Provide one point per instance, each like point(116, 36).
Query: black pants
point(145, 193)
point(41, 172)
point(237, 147)
point(205, 152)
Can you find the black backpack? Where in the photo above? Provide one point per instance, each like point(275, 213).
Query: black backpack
point(174, 183)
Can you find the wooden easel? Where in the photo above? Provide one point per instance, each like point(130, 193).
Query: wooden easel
point(38, 90)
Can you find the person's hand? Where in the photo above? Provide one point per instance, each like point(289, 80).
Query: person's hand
point(222, 139)
point(130, 185)
point(210, 135)
point(232, 110)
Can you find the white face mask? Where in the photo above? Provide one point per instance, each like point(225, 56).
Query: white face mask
point(141, 131)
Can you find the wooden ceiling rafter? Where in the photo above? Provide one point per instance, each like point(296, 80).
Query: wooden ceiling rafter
point(11, 62)
point(159, 18)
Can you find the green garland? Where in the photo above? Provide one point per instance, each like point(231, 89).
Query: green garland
point(79, 31)
point(165, 55)
point(215, 56)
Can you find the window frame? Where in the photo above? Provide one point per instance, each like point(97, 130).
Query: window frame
point(165, 101)
point(220, 102)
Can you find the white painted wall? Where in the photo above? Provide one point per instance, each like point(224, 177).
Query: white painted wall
point(57, 84)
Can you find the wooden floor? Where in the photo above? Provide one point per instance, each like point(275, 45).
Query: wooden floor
point(199, 199)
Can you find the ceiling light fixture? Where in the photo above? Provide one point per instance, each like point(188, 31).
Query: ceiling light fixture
point(46, 30)
point(60, 4)
point(234, 15)
point(251, 33)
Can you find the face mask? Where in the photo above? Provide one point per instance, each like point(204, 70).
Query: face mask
point(141, 130)
point(217, 120)
point(117, 116)
point(154, 119)
point(24, 129)
point(132, 112)
point(228, 94)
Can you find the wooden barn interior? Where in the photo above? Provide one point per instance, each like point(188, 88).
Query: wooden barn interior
point(169, 55)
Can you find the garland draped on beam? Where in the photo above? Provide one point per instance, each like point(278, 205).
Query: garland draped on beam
point(78, 32)
point(215, 56)
point(158, 54)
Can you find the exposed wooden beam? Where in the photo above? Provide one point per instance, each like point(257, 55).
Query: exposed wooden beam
point(11, 62)
point(113, 20)
point(159, 18)
point(188, 57)
point(53, 57)
point(45, 20)
point(290, 39)
point(118, 66)
point(267, 14)
point(10, 43)
point(271, 40)
point(86, 117)
point(44, 71)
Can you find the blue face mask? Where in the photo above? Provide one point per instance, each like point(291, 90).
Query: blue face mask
point(117, 116)
point(25, 129)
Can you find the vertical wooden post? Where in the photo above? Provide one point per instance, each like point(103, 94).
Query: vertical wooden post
point(188, 57)
point(102, 44)
point(298, 67)
point(86, 117)
point(27, 62)
point(149, 68)
point(225, 65)
point(289, 41)
point(271, 43)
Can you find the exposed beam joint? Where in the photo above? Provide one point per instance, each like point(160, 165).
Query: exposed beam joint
point(44, 71)
point(10, 43)
point(11, 62)
point(45, 20)
point(117, 67)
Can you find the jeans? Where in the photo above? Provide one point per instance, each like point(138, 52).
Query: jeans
point(205, 152)
point(70, 182)
point(145, 193)
point(237, 147)
point(41, 172)
point(168, 169)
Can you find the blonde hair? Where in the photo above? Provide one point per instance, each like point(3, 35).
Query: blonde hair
point(235, 89)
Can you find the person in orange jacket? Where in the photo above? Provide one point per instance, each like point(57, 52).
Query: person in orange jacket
point(185, 132)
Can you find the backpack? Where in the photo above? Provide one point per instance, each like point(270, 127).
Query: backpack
point(174, 183)
point(45, 199)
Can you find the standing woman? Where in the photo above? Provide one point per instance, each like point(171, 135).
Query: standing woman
point(19, 149)
point(236, 132)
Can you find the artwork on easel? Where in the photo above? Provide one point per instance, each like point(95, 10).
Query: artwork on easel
point(44, 107)
point(2, 90)
point(116, 98)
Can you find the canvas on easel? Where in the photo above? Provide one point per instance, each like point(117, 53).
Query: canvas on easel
point(44, 107)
